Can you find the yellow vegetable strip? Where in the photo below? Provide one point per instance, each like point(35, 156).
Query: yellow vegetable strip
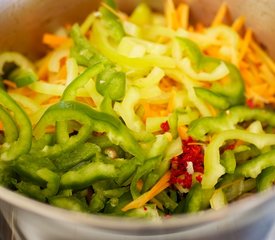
point(162, 184)
point(220, 15)
point(246, 41)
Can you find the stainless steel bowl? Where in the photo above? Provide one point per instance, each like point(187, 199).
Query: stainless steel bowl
point(21, 26)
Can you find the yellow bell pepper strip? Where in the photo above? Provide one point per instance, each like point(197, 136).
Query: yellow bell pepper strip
point(22, 144)
point(228, 119)
point(99, 38)
point(213, 169)
point(35, 191)
point(220, 95)
point(91, 120)
point(266, 179)
point(70, 203)
point(9, 126)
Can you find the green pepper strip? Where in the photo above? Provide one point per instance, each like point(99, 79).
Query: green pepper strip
point(84, 53)
point(34, 191)
point(197, 199)
point(253, 167)
point(69, 203)
point(212, 166)
point(112, 23)
point(91, 120)
point(70, 92)
point(266, 179)
point(10, 128)
point(87, 174)
point(143, 170)
point(228, 119)
point(100, 39)
point(219, 95)
point(23, 143)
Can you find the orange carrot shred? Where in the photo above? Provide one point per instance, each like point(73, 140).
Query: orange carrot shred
point(162, 184)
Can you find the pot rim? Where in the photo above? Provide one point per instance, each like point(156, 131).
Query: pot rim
point(109, 223)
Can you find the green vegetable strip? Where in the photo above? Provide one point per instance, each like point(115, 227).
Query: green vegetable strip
point(91, 120)
point(24, 140)
point(228, 119)
point(99, 39)
point(266, 179)
point(212, 166)
point(10, 128)
point(70, 94)
point(253, 167)
point(220, 95)
point(87, 174)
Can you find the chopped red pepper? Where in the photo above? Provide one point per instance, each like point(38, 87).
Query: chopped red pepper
point(199, 178)
point(165, 126)
point(192, 152)
point(250, 103)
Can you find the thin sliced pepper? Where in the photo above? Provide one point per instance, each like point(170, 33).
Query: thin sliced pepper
point(91, 120)
point(22, 144)
point(220, 95)
point(266, 179)
point(69, 203)
point(228, 119)
point(84, 53)
point(87, 174)
point(253, 167)
point(112, 23)
point(212, 166)
point(9, 126)
point(35, 191)
point(82, 153)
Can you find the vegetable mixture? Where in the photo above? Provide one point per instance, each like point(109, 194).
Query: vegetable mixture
point(141, 115)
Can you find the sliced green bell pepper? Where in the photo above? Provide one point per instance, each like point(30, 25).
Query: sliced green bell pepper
point(228, 119)
point(22, 144)
point(220, 95)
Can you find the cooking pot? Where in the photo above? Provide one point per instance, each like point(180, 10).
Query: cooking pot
point(21, 26)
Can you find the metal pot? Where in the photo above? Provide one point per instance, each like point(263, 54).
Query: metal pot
point(21, 26)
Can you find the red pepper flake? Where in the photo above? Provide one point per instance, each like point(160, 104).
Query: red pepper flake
point(199, 178)
point(192, 152)
point(165, 126)
point(145, 208)
point(250, 103)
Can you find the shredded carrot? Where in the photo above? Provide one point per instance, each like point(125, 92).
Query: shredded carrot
point(238, 23)
point(220, 15)
point(162, 184)
point(183, 15)
point(182, 130)
point(9, 83)
point(53, 40)
point(246, 41)
point(171, 14)
point(261, 53)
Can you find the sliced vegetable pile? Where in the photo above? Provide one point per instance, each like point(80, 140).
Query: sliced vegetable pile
point(140, 115)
